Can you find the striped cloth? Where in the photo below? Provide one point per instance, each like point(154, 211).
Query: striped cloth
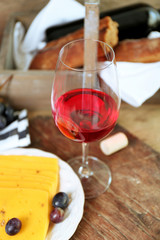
point(16, 134)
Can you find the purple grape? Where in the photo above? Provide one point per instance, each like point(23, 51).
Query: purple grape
point(9, 113)
point(13, 226)
point(3, 122)
point(57, 215)
point(60, 200)
point(2, 108)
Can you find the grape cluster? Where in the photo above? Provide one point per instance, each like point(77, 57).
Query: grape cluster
point(60, 203)
point(6, 115)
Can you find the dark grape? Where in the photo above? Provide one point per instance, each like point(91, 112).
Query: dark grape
point(60, 200)
point(13, 226)
point(2, 108)
point(57, 215)
point(9, 113)
point(3, 122)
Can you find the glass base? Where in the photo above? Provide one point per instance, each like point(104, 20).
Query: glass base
point(95, 178)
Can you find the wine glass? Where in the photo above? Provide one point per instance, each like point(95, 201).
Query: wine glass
point(85, 105)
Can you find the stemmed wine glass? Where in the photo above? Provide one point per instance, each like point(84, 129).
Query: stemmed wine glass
point(85, 105)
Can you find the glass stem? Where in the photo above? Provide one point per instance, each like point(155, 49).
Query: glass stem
point(84, 170)
point(84, 154)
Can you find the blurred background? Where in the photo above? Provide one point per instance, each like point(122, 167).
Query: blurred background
point(10, 7)
point(142, 121)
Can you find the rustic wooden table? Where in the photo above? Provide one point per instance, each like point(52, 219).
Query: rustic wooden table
point(130, 209)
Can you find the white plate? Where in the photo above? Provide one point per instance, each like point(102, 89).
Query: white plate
point(69, 183)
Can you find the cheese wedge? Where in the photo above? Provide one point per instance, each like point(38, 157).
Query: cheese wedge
point(28, 205)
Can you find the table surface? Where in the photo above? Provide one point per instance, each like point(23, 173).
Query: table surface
point(130, 209)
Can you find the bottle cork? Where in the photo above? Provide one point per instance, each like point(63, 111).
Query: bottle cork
point(114, 143)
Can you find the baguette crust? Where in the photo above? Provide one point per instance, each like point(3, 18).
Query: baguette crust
point(143, 50)
point(47, 58)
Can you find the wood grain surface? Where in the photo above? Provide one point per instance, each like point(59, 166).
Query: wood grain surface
point(130, 209)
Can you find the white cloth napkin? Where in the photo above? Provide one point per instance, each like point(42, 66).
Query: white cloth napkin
point(56, 12)
point(138, 81)
point(15, 134)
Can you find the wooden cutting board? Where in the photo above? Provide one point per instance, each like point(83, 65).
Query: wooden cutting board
point(130, 209)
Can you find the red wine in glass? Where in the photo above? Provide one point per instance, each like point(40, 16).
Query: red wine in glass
point(85, 115)
point(85, 104)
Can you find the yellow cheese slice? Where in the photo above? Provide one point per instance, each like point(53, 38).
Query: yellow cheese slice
point(29, 162)
point(30, 172)
point(28, 177)
point(51, 190)
point(28, 205)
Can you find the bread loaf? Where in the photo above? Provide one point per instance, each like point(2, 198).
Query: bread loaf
point(141, 50)
point(47, 58)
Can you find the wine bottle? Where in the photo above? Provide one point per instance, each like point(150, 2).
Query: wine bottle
point(135, 21)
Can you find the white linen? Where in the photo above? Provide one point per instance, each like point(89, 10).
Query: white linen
point(16, 134)
point(138, 81)
point(56, 12)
